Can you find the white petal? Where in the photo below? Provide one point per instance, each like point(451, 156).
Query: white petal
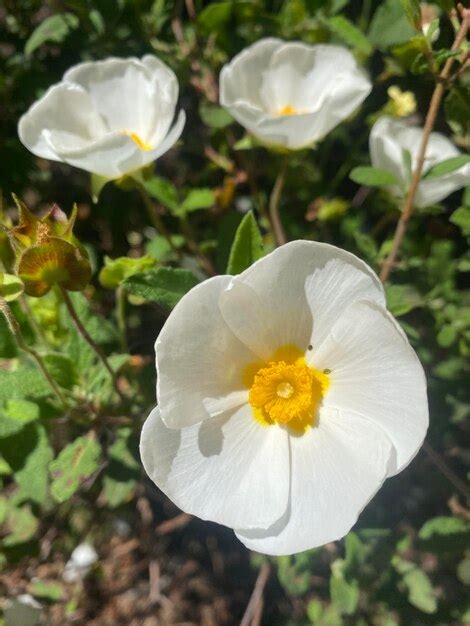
point(229, 469)
point(130, 94)
point(200, 362)
point(66, 111)
point(282, 311)
point(376, 373)
point(387, 154)
point(336, 468)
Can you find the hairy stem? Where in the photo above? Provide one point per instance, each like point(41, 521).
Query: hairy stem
point(15, 329)
point(274, 202)
point(439, 90)
point(89, 339)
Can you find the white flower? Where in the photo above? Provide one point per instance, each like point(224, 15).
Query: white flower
point(388, 142)
point(292, 94)
point(107, 117)
point(80, 562)
point(287, 395)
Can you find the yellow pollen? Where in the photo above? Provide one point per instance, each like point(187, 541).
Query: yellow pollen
point(285, 390)
point(288, 109)
point(137, 139)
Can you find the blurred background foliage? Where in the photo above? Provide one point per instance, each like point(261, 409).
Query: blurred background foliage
point(74, 475)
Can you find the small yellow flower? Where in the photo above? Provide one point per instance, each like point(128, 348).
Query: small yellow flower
point(402, 103)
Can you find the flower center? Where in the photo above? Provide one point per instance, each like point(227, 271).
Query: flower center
point(288, 109)
point(137, 139)
point(285, 390)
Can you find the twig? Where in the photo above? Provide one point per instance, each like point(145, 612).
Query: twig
point(451, 476)
point(177, 522)
point(253, 607)
point(89, 339)
point(15, 329)
point(436, 98)
point(274, 202)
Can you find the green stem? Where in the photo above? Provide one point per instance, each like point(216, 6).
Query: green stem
point(121, 316)
point(16, 331)
point(89, 339)
point(274, 202)
point(156, 220)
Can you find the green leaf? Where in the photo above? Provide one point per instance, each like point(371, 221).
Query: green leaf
point(443, 526)
point(22, 526)
point(214, 116)
point(213, 17)
point(390, 26)
point(446, 167)
point(32, 477)
point(197, 199)
point(115, 271)
point(457, 110)
point(164, 285)
point(77, 462)
point(16, 414)
point(160, 249)
point(62, 369)
point(344, 593)
point(53, 592)
point(420, 592)
point(461, 218)
point(247, 245)
point(401, 299)
point(54, 28)
point(23, 382)
point(11, 287)
point(413, 12)
point(162, 190)
point(349, 33)
point(372, 176)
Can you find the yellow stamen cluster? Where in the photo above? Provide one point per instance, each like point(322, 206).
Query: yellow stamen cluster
point(288, 109)
point(285, 390)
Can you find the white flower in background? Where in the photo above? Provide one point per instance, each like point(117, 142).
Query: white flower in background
point(287, 395)
point(292, 94)
point(107, 117)
point(388, 142)
point(81, 560)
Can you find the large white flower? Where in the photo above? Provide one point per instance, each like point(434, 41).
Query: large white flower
point(290, 93)
point(388, 142)
point(287, 395)
point(106, 117)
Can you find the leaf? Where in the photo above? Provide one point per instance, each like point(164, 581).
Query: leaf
point(198, 199)
point(401, 299)
point(446, 167)
point(420, 591)
point(389, 26)
point(97, 183)
point(413, 12)
point(75, 463)
point(15, 415)
point(349, 33)
point(163, 191)
point(213, 17)
point(214, 116)
point(24, 382)
point(372, 176)
point(461, 218)
point(457, 110)
point(11, 287)
point(22, 526)
point(247, 245)
point(344, 593)
point(32, 477)
point(443, 526)
point(116, 270)
point(62, 369)
point(54, 28)
point(165, 285)
point(51, 591)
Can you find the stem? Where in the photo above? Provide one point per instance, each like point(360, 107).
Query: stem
point(193, 246)
point(434, 105)
point(15, 329)
point(40, 336)
point(256, 599)
point(451, 476)
point(89, 339)
point(157, 220)
point(121, 316)
point(274, 202)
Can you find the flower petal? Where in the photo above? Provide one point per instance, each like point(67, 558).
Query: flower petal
point(281, 310)
point(199, 360)
point(376, 373)
point(229, 469)
point(65, 112)
point(336, 468)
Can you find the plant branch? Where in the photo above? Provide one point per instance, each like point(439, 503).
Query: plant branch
point(89, 339)
point(451, 476)
point(15, 329)
point(274, 202)
point(256, 599)
point(439, 90)
point(156, 220)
